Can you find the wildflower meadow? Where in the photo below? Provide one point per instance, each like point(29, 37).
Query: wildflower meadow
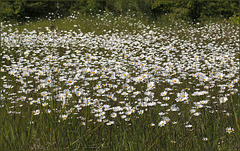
point(106, 82)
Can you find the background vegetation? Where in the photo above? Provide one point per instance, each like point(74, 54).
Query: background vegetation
point(188, 10)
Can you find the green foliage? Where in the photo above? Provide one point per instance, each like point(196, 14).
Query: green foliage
point(191, 10)
point(236, 19)
point(6, 11)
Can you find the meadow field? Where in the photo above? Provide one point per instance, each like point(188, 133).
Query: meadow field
point(106, 82)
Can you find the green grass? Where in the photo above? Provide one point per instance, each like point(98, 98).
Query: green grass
point(48, 131)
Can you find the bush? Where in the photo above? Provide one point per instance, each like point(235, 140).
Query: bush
point(190, 10)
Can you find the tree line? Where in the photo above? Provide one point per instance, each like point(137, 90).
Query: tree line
point(189, 10)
